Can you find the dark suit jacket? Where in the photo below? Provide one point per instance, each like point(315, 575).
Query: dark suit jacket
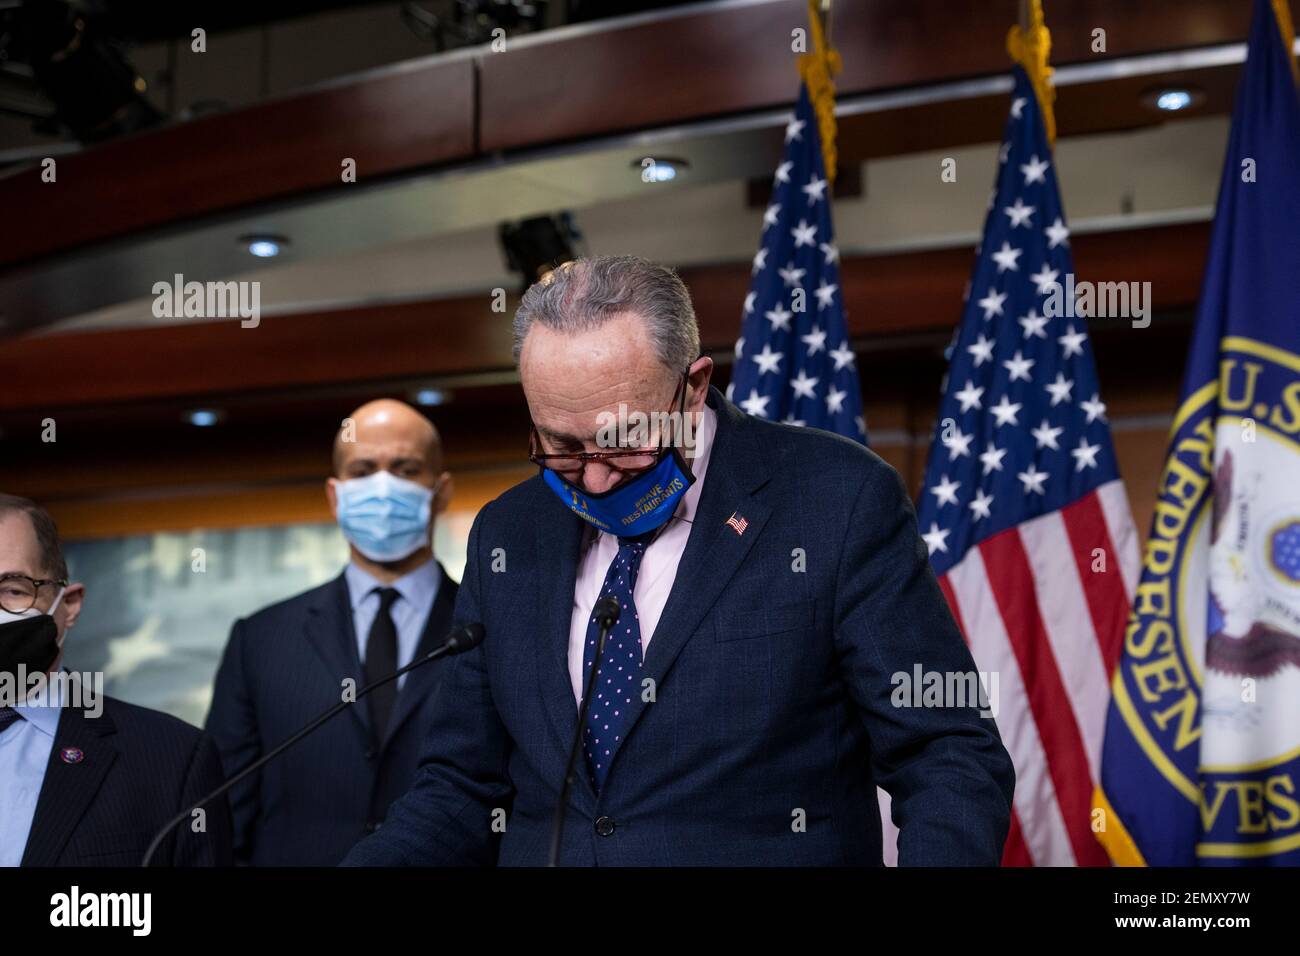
point(771, 722)
point(283, 666)
point(138, 769)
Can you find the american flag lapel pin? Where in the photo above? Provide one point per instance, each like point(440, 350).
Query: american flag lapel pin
point(737, 523)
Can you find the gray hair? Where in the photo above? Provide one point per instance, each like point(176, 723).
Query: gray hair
point(584, 294)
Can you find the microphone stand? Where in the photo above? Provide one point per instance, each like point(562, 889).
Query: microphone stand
point(606, 614)
point(460, 640)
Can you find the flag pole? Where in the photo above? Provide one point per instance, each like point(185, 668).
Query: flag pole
point(1030, 45)
point(818, 69)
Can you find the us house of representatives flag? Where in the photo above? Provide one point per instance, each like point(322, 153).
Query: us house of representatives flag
point(1023, 511)
point(1202, 750)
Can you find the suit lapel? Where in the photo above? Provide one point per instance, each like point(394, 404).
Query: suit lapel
point(69, 788)
point(419, 681)
point(714, 550)
point(558, 540)
point(331, 634)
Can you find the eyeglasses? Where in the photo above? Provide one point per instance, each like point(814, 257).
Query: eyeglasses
point(571, 465)
point(18, 592)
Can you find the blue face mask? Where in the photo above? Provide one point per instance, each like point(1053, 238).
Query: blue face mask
point(637, 506)
point(640, 504)
point(384, 517)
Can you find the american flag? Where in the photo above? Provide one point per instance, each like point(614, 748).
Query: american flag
point(793, 359)
point(1023, 510)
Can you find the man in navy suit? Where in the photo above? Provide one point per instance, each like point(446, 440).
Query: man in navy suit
point(85, 780)
point(771, 585)
point(289, 662)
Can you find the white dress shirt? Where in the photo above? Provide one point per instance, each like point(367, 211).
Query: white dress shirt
point(658, 566)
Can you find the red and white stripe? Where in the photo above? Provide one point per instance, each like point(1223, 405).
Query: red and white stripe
point(1033, 610)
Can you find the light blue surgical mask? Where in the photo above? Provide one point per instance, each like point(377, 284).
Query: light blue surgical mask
point(384, 517)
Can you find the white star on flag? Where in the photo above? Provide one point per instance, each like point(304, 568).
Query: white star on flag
point(1045, 436)
point(768, 361)
point(1006, 258)
point(946, 491)
point(1019, 213)
point(982, 349)
point(1035, 170)
point(979, 505)
point(992, 303)
point(1085, 456)
point(935, 538)
point(991, 458)
point(1018, 366)
point(1072, 342)
point(1005, 411)
point(1095, 408)
point(1033, 480)
point(969, 396)
point(1060, 389)
point(803, 385)
point(815, 189)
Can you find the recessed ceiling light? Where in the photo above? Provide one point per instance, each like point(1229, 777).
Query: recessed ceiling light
point(431, 396)
point(660, 169)
point(264, 246)
point(204, 417)
point(1173, 99)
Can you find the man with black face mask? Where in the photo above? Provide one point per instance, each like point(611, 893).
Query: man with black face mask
point(84, 782)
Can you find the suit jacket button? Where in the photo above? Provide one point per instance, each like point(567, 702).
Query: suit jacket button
point(372, 826)
point(605, 826)
point(371, 754)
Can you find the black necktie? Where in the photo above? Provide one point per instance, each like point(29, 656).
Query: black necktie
point(8, 716)
point(381, 660)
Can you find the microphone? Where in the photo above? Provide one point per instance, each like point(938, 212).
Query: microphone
point(605, 613)
point(461, 639)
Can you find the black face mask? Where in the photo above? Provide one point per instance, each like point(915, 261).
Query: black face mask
point(29, 642)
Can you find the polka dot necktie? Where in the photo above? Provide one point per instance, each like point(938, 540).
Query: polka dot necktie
point(620, 667)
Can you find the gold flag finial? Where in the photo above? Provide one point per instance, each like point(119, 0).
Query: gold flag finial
point(818, 69)
point(1030, 45)
point(1282, 13)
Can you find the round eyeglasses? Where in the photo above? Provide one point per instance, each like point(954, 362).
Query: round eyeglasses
point(18, 592)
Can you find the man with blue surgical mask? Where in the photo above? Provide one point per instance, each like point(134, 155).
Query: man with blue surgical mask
point(286, 663)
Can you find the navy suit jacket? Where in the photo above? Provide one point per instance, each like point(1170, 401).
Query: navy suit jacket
point(138, 768)
point(771, 721)
point(284, 666)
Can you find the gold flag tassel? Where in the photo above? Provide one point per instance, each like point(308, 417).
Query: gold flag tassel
point(817, 69)
point(1030, 45)
point(1282, 13)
